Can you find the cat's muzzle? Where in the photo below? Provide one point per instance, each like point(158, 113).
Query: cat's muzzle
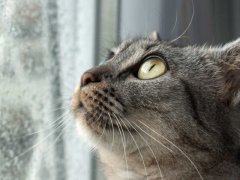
point(97, 104)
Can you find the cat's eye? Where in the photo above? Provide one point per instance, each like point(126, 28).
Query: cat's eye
point(110, 54)
point(152, 68)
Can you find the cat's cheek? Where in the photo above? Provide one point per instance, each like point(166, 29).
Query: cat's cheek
point(87, 135)
point(84, 132)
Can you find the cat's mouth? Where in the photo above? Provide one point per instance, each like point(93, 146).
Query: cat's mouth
point(100, 109)
point(97, 120)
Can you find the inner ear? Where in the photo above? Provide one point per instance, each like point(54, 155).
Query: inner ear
point(154, 36)
point(231, 91)
point(231, 73)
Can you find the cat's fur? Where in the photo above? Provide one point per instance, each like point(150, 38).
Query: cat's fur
point(181, 125)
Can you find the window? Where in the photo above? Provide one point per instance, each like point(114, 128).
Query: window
point(45, 45)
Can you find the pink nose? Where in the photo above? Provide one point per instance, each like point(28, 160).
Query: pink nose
point(96, 74)
point(87, 78)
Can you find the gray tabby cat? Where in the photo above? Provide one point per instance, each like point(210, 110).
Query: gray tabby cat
point(155, 111)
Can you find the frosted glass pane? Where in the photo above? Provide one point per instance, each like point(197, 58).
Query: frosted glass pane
point(44, 47)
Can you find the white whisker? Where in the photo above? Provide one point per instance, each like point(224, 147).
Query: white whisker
point(153, 138)
point(51, 125)
point(190, 23)
point(175, 23)
point(195, 167)
point(100, 137)
point(59, 108)
point(124, 145)
point(113, 131)
point(160, 171)
point(137, 148)
point(35, 145)
point(61, 132)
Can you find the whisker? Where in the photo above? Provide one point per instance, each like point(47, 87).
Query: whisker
point(100, 137)
point(137, 148)
point(124, 145)
point(32, 147)
point(113, 130)
point(175, 23)
point(62, 107)
point(64, 102)
point(153, 138)
point(160, 171)
point(95, 122)
point(190, 23)
point(195, 167)
point(51, 125)
point(61, 132)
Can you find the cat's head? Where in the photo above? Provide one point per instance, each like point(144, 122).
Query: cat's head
point(154, 91)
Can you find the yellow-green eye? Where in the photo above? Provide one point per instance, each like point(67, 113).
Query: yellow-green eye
point(152, 68)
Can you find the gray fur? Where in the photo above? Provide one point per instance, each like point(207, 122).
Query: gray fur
point(192, 111)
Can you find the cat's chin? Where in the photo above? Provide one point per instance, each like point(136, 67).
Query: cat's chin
point(95, 137)
point(99, 125)
point(101, 135)
point(82, 116)
point(98, 121)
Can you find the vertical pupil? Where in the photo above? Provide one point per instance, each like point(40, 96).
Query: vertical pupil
point(152, 67)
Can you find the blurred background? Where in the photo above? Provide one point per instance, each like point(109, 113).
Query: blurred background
point(45, 45)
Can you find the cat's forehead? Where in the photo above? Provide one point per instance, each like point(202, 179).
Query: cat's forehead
point(179, 58)
point(137, 44)
point(132, 51)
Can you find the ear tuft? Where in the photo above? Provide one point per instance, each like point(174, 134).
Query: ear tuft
point(231, 91)
point(154, 36)
point(231, 73)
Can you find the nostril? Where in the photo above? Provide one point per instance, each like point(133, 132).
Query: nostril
point(87, 78)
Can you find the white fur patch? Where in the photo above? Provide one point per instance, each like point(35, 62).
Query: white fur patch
point(236, 99)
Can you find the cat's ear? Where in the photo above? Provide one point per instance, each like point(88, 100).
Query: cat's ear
point(231, 73)
point(154, 36)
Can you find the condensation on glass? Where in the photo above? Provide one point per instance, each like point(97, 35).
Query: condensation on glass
point(44, 47)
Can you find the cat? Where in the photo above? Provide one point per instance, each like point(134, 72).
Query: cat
point(155, 110)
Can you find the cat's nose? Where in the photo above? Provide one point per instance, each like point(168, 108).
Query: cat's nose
point(95, 75)
point(87, 78)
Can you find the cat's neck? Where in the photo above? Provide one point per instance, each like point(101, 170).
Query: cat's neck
point(145, 166)
point(171, 167)
point(118, 167)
